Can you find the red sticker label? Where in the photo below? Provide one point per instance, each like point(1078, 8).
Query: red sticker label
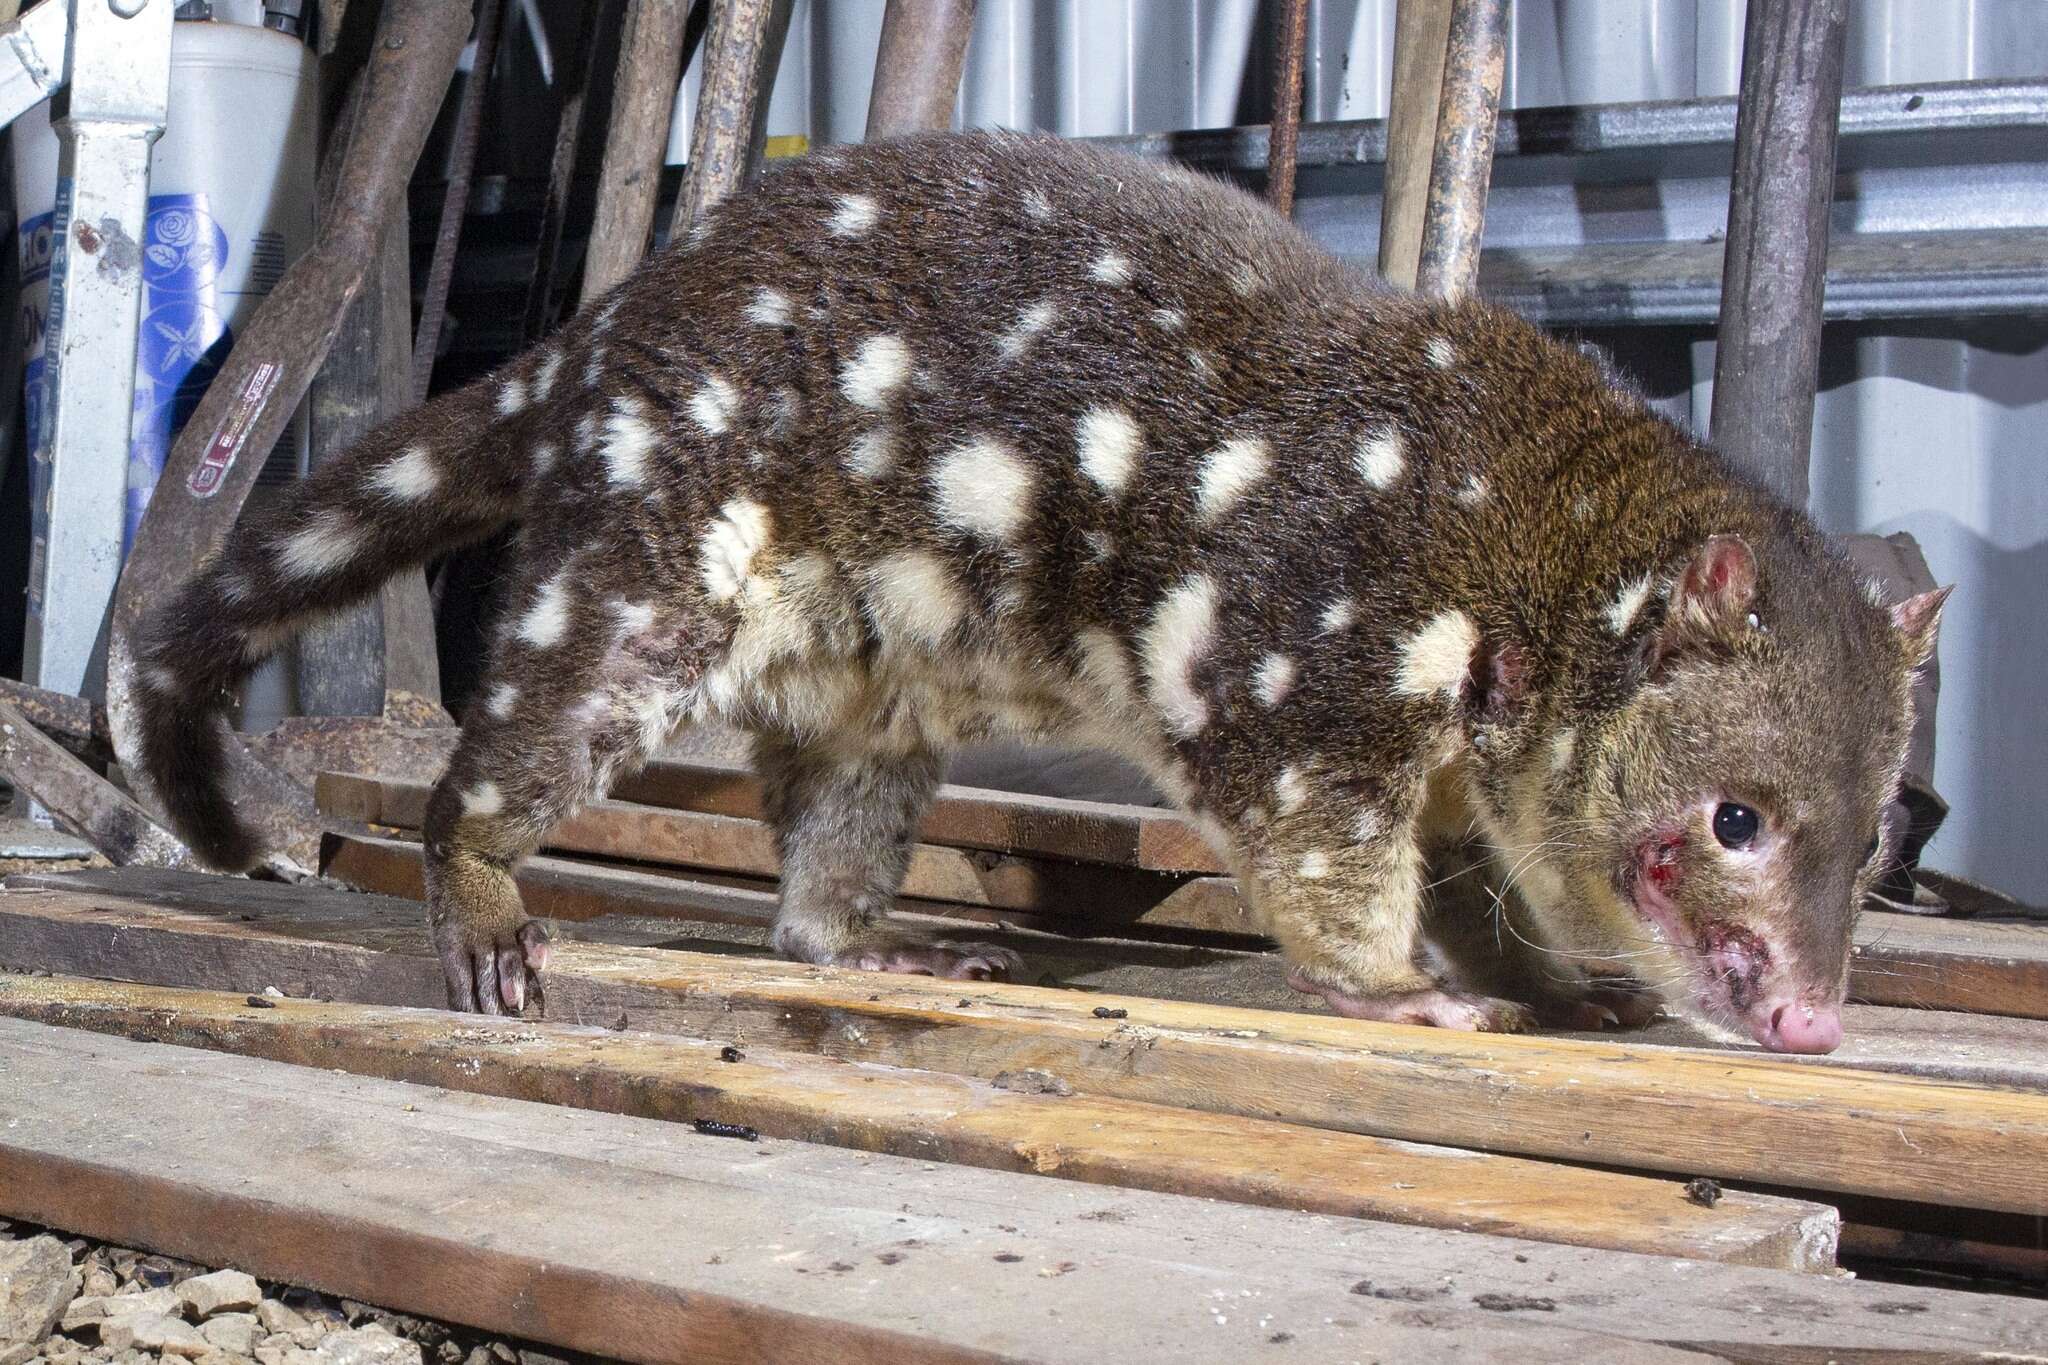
point(212, 471)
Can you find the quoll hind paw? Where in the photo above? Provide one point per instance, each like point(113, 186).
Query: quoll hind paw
point(494, 973)
point(954, 961)
point(1433, 1007)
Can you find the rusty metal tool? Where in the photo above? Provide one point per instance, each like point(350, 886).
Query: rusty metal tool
point(1475, 61)
point(1285, 130)
point(1774, 270)
point(918, 65)
point(742, 49)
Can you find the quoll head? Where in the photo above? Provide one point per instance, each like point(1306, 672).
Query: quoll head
point(1727, 824)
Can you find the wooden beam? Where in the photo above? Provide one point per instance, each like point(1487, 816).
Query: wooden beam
point(1148, 837)
point(630, 1238)
point(1204, 912)
point(1979, 965)
point(643, 99)
point(678, 838)
point(1422, 32)
point(939, 1117)
point(1736, 1116)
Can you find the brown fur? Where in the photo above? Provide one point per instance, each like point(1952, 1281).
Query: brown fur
point(706, 528)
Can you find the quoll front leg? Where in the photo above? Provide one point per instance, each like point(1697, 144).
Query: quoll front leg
point(843, 827)
point(1489, 944)
point(1347, 910)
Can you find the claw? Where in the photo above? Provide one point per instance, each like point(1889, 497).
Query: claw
point(1434, 1007)
point(953, 961)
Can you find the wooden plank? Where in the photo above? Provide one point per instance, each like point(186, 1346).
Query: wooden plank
point(631, 1238)
point(936, 1116)
point(1736, 1116)
point(1981, 965)
point(1204, 910)
point(624, 829)
point(1149, 837)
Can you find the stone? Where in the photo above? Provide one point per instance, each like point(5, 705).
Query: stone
point(271, 1355)
point(237, 1332)
point(86, 1312)
point(275, 1317)
point(36, 1285)
point(99, 1282)
point(224, 1291)
point(364, 1346)
point(21, 1353)
point(159, 1332)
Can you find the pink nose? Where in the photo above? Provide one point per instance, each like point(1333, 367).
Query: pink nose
point(1796, 1027)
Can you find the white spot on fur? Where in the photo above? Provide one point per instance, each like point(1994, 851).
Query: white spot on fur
point(233, 588)
point(735, 537)
point(502, 699)
point(877, 369)
point(593, 371)
point(1029, 324)
point(1200, 363)
point(912, 599)
point(544, 454)
point(544, 377)
point(1437, 657)
point(1473, 491)
point(1442, 354)
point(1179, 634)
point(1244, 280)
point(1169, 319)
point(714, 405)
point(1339, 615)
point(160, 680)
point(1563, 746)
point(873, 453)
point(319, 549)
point(1230, 469)
point(635, 618)
point(1111, 268)
point(1273, 679)
point(483, 799)
point(1101, 544)
point(409, 476)
point(1369, 824)
point(770, 308)
point(1314, 866)
point(856, 214)
point(628, 441)
point(511, 396)
point(1290, 791)
point(1627, 605)
point(1379, 458)
point(586, 431)
point(983, 487)
point(547, 620)
point(1036, 206)
point(785, 405)
point(1109, 441)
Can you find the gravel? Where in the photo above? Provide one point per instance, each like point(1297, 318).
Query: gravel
point(67, 1301)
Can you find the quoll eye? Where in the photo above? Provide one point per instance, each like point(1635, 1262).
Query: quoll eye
point(1735, 825)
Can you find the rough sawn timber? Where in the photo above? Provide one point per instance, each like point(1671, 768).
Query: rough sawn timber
point(956, 1119)
point(1731, 1115)
point(626, 1237)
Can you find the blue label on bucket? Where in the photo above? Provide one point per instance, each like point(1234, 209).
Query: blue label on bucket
point(183, 339)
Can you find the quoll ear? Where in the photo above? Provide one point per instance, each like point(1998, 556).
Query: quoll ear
point(1918, 621)
point(1711, 600)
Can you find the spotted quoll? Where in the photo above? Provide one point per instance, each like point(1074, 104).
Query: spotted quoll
point(967, 436)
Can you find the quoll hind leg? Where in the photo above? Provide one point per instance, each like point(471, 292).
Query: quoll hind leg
point(843, 827)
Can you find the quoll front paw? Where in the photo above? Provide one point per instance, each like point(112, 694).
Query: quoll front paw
point(1434, 1006)
point(954, 961)
point(492, 970)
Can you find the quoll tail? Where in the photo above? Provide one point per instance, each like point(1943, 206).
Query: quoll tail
point(439, 477)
